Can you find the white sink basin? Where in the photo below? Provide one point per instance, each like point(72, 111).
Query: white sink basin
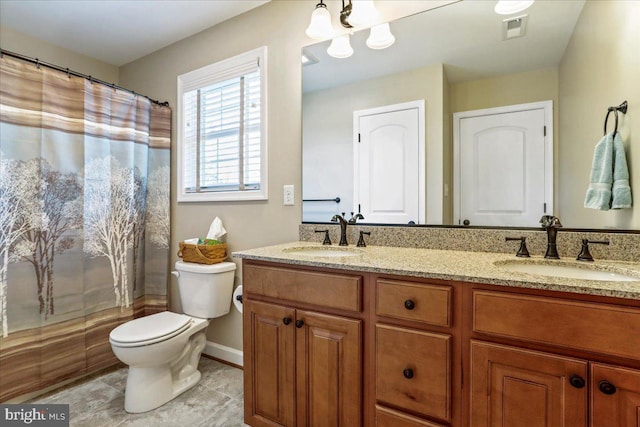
point(323, 251)
point(566, 271)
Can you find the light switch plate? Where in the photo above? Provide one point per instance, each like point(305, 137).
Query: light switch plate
point(288, 195)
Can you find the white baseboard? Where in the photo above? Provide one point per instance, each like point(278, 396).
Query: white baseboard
point(223, 352)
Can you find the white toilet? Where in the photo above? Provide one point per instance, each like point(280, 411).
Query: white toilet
point(163, 349)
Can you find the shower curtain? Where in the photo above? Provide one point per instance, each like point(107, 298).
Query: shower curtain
point(84, 221)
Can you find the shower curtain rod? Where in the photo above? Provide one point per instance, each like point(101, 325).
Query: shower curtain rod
point(38, 63)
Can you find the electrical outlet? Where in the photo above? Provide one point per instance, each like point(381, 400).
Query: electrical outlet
point(288, 195)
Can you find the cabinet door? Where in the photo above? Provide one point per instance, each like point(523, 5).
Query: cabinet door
point(413, 370)
point(269, 364)
point(329, 370)
point(615, 396)
point(515, 387)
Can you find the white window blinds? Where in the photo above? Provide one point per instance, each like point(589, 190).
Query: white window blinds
point(222, 120)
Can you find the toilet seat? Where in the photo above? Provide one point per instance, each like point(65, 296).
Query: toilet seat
point(150, 329)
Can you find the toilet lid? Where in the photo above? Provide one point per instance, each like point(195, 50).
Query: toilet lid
point(154, 327)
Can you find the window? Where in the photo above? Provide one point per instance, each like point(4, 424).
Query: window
point(222, 141)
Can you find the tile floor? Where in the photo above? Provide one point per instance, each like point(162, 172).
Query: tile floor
point(98, 401)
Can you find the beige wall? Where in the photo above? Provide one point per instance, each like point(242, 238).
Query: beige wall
point(595, 75)
point(249, 224)
point(328, 123)
point(23, 44)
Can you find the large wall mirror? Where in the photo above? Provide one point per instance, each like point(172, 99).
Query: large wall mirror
point(570, 60)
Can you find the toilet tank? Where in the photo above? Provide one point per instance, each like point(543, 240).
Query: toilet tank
point(205, 290)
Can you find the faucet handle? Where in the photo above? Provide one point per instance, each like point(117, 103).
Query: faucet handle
point(550, 221)
point(361, 243)
point(327, 240)
point(523, 252)
point(585, 254)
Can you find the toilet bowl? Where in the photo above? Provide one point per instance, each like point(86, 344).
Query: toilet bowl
point(163, 349)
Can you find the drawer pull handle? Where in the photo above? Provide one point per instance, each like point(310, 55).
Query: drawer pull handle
point(576, 381)
point(299, 323)
point(286, 320)
point(409, 304)
point(606, 387)
point(408, 373)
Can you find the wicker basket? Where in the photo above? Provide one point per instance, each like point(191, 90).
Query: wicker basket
point(203, 254)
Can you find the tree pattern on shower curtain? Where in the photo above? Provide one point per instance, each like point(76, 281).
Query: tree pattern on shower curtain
point(84, 221)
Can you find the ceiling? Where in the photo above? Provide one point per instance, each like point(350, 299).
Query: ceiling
point(100, 29)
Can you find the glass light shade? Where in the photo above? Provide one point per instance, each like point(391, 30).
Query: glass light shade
point(380, 37)
point(363, 13)
point(320, 27)
point(509, 7)
point(340, 47)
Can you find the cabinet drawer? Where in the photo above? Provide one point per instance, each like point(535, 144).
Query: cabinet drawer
point(413, 370)
point(425, 303)
point(386, 417)
point(340, 291)
point(602, 328)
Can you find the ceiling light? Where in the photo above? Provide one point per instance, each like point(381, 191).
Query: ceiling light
point(508, 7)
point(320, 27)
point(340, 47)
point(363, 13)
point(380, 37)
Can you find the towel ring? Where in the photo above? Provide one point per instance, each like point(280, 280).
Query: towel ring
point(615, 129)
point(622, 108)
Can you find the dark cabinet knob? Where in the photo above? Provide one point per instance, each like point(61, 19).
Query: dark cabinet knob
point(606, 387)
point(299, 323)
point(576, 381)
point(286, 320)
point(409, 304)
point(408, 373)
point(466, 222)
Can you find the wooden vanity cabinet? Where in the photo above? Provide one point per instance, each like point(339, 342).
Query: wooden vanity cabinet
point(540, 360)
point(347, 349)
point(416, 345)
point(302, 367)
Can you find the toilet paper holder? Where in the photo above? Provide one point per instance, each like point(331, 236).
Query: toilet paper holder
point(239, 298)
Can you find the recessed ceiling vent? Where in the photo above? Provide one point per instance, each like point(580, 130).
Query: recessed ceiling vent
point(514, 27)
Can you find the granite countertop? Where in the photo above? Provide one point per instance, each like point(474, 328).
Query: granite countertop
point(478, 267)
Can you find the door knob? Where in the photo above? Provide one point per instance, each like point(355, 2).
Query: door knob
point(286, 320)
point(299, 323)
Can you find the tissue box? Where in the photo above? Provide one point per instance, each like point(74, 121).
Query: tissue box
point(202, 254)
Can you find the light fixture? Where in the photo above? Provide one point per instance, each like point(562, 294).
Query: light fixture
point(380, 37)
point(320, 27)
point(509, 7)
point(359, 13)
point(340, 47)
point(363, 13)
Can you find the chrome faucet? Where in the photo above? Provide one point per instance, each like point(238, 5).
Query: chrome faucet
point(551, 224)
point(343, 225)
point(343, 228)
